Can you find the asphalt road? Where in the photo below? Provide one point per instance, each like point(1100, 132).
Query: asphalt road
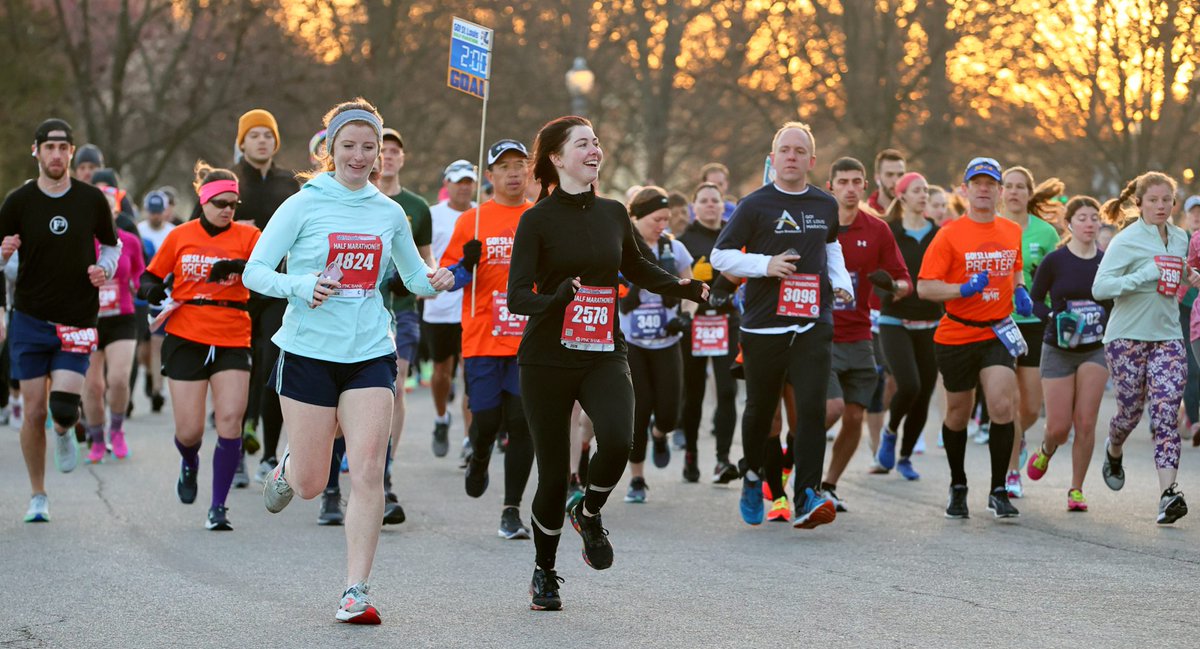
point(123, 564)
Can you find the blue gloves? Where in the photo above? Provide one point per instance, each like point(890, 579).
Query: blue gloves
point(974, 285)
point(1023, 302)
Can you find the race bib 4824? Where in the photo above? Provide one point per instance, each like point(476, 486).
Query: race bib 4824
point(359, 256)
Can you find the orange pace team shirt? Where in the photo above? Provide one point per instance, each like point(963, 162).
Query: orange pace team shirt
point(962, 248)
point(190, 252)
point(490, 330)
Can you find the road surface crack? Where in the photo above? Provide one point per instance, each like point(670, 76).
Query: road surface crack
point(26, 639)
point(102, 495)
point(953, 598)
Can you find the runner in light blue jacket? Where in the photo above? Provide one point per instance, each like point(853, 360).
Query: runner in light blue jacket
point(337, 366)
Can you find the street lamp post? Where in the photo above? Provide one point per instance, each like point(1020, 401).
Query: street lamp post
point(580, 81)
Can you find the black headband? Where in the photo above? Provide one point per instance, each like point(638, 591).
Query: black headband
point(642, 208)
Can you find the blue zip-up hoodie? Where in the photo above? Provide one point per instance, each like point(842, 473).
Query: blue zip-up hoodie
point(346, 328)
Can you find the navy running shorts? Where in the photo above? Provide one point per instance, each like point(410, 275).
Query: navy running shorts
point(408, 335)
point(38, 347)
point(488, 378)
point(321, 383)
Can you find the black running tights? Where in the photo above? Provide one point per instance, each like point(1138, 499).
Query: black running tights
point(657, 391)
point(605, 391)
point(910, 358)
point(263, 399)
point(695, 378)
point(518, 458)
point(804, 359)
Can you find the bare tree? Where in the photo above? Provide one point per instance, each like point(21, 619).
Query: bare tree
point(148, 76)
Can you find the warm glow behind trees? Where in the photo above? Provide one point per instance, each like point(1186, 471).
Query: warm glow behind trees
point(1092, 91)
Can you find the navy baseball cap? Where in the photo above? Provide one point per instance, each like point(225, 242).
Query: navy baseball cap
point(156, 202)
point(499, 148)
point(982, 167)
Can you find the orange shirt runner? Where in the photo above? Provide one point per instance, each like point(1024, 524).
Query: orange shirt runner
point(962, 248)
point(490, 330)
point(189, 252)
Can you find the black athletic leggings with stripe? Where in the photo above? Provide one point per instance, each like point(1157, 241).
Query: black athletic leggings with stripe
point(910, 358)
point(605, 391)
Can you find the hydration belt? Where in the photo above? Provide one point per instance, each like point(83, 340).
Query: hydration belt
point(230, 304)
point(981, 324)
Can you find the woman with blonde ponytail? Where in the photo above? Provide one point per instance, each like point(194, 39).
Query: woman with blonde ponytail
point(1141, 272)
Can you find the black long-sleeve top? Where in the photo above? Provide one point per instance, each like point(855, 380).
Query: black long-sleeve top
point(576, 235)
point(913, 251)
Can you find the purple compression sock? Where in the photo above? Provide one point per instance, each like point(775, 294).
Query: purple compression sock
point(95, 433)
point(190, 454)
point(225, 462)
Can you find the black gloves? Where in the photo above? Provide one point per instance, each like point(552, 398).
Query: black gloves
point(472, 251)
point(153, 289)
point(695, 293)
point(883, 281)
point(631, 301)
point(565, 292)
point(680, 324)
point(720, 296)
point(222, 270)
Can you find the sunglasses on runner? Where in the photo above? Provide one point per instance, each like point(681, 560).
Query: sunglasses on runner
point(220, 204)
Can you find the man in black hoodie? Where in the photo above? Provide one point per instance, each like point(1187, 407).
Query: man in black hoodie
point(263, 188)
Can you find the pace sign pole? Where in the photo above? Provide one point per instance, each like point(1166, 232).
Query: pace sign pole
point(470, 69)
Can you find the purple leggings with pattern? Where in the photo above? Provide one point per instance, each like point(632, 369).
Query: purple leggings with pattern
point(1155, 369)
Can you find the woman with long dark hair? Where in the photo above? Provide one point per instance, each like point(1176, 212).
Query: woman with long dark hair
point(566, 256)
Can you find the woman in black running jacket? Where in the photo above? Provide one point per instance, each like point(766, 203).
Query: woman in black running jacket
point(566, 256)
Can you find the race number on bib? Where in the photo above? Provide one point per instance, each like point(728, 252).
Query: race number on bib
point(1010, 336)
point(588, 320)
point(800, 296)
point(110, 303)
point(847, 305)
point(505, 322)
point(358, 255)
point(1090, 322)
point(1170, 273)
point(648, 322)
point(710, 335)
point(77, 340)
